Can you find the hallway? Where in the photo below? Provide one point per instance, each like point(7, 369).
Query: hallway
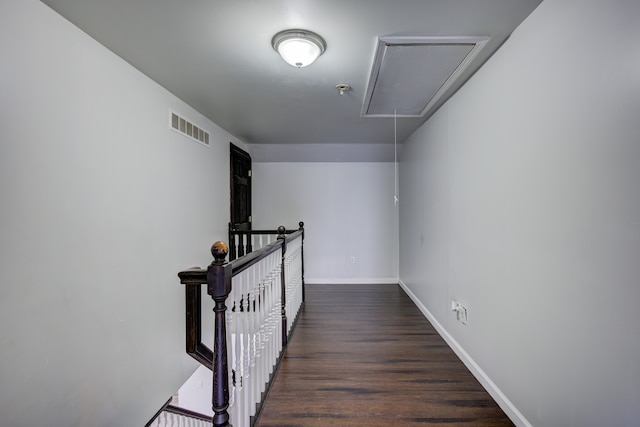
point(364, 355)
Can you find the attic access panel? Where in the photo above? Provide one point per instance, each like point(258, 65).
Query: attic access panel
point(410, 74)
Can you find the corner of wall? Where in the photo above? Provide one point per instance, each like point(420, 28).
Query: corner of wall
point(501, 399)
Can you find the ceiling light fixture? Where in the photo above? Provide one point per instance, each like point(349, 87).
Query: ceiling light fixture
point(298, 47)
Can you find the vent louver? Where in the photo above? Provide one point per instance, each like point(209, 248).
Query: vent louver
point(188, 129)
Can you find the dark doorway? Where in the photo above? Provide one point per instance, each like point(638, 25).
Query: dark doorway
point(240, 189)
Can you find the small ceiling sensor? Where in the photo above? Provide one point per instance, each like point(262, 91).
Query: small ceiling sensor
point(342, 88)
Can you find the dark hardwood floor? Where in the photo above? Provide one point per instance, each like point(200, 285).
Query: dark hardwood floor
point(364, 355)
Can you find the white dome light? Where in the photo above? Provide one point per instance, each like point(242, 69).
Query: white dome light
point(298, 47)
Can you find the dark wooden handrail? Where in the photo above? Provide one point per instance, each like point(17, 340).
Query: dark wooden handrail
point(244, 244)
point(196, 276)
point(218, 278)
point(252, 258)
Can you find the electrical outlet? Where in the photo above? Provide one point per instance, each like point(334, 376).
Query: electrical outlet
point(353, 260)
point(462, 314)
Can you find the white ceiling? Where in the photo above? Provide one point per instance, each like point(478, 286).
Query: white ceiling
point(216, 55)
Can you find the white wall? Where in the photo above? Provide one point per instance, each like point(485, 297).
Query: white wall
point(347, 209)
point(101, 206)
point(520, 199)
point(195, 393)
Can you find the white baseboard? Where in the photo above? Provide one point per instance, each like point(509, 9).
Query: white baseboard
point(500, 398)
point(351, 281)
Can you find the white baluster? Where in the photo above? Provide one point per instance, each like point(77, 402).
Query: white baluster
point(277, 307)
point(264, 356)
point(252, 338)
point(268, 313)
point(240, 347)
point(246, 360)
point(257, 332)
point(260, 328)
point(273, 295)
point(232, 333)
point(266, 319)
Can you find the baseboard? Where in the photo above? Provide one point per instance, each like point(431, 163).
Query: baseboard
point(507, 406)
point(352, 281)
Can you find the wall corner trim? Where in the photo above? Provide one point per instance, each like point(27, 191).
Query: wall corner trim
point(501, 399)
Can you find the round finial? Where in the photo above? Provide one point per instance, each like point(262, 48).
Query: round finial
point(301, 224)
point(281, 229)
point(219, 250)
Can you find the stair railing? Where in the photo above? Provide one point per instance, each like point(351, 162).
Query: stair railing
point(243, 242)
point(254, 297)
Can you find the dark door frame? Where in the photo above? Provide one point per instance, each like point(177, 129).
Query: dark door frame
point(240, 176)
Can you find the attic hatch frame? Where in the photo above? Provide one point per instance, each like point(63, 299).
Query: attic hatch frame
point(376, 91)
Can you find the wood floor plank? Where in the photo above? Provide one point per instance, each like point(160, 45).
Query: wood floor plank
point(364, 355)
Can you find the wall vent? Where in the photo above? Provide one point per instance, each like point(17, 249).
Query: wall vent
point(188, 129)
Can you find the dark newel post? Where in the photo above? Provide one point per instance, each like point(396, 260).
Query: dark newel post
point(219, 286)
point(283, 285)
point(301, 224)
